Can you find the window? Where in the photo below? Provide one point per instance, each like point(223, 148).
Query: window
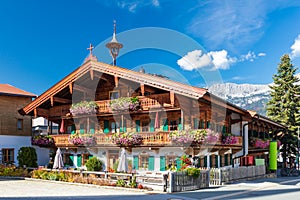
point(114, 127)
point(8, 156)
point(171, 160)
point(20, 124)
point(173, 125)
point(113, 95)
point(145, 126)
point(144, 161)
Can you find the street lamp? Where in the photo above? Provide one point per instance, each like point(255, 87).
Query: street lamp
point(114, 46)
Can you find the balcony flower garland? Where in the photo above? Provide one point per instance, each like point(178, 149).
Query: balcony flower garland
point(262, 144)
point(125, 103)
point(228, 138)
point(82, 139)
point(84, 108)
point(127, 139)
point(42, 141)
point(194, 137)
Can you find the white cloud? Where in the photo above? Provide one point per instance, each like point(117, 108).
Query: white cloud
point(155, 3)
point(233, 24)
point(213, 60)
point(197, 59)
point(134, 5)
point(296, 48)
point(262, 54)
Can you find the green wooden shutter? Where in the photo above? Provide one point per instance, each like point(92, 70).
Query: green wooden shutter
point(137, 125)
point(210, 160)
point(79, 160)
point(216, 161)
point(165, 125)
point(208, 124)
point(224, 129)
point(90, 156)
point(152, 125)
point(162, 163)
point(92, 128)
point(81, 128)
point(196, 123)
point(202, 124)
point(151, 163)
point(136, 162)
point(230, 160)
point(226, 159)
point(106, 126)
point(178, 163)
point(73, 129)
point(71, 160)
point(180, 124)
point(121, 126)
point(205, 161)
point(124, 126)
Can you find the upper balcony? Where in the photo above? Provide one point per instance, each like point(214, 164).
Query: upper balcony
point(146, 102)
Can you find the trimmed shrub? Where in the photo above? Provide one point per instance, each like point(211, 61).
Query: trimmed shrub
point(27, 156)
point(94, 164)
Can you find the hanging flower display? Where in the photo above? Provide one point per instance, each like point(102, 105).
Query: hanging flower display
point(127, 139)
point(229, 138)
point(42, 141)
point(84, 108)
point(193, 137)
point(125, 103)
point(82, 139)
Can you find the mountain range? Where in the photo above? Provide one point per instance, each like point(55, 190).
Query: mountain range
point(247, 96)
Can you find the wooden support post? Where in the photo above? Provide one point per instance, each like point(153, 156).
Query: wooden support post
point(143, 89)
point(35, 112)
point(116, 81)
point(51, 100)
point(92, 74)
point(172, 98)
point(71, 88)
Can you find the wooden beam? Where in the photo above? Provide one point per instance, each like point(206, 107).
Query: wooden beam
point(62, 100)
point(35, 112)
point(71, 88)
point(117, 81)
point(92, 74)
point(42, 112)
point(51, 100)
point(143, 89)
point(83, 89)
point(172, 98)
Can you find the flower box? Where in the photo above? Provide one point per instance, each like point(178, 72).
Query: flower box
point(127, 139)
point(42, 141)
point(194, 137)
point(229, 139)
point(82, 139)
point(84, 108)
point(125, 103)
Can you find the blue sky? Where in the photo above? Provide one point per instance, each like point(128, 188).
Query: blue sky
point(240, 41)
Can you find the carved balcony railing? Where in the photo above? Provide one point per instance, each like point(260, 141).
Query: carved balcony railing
point(158, 139)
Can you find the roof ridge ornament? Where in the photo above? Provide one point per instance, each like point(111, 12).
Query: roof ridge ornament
point(91, 56)
point(114, 46)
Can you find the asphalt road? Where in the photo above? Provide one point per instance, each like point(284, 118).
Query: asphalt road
point(278, 188)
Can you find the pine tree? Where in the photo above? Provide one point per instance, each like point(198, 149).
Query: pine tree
point(285, 103)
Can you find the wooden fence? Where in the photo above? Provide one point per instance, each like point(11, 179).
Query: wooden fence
point(181, 181)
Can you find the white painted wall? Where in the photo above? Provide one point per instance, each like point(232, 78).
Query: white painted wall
point(15, 142)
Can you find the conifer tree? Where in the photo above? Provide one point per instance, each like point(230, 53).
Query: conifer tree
point(285, 103)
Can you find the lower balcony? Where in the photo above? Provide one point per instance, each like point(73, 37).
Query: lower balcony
point(149, 139)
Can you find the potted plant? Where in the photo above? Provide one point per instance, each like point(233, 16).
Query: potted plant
point(42, 141)
point(82, 139)
point(124, 103)
point(84, 108)
point(127, 139)
point(229, 138)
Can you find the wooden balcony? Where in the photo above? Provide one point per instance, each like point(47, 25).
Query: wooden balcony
point(154, 139)
point(146, 102)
